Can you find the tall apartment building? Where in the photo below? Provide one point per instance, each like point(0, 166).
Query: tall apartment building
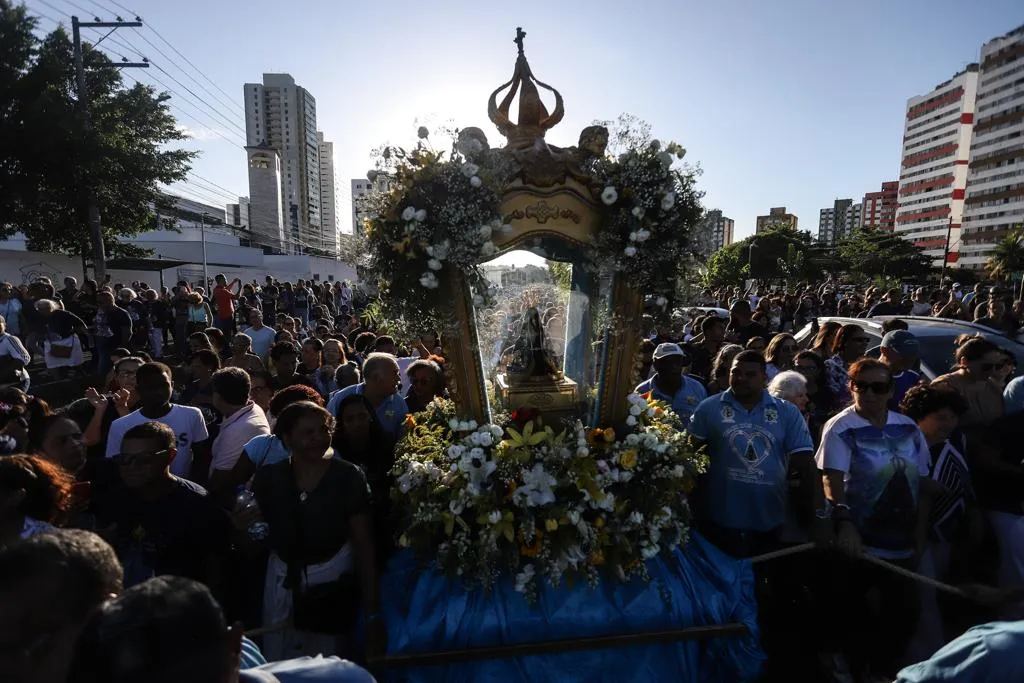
point(266, 199)
point(879, 208)
point(280, 115)
point(328, 196)
point(238, 214)
point(713, 233)
point(360, 187)
point(839, 221)
point(933, 172)
point(994, 203)
point(776, 216)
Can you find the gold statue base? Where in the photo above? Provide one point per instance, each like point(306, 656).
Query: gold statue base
point(555, 399)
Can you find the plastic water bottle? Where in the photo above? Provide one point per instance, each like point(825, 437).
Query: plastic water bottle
point(243, 501)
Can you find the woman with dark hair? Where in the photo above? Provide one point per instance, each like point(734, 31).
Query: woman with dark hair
point(34, 496)
point(756, 344)
point(218, 342)
point(850, 344)
point(360, 439)
point(318, 512)
point(826, 336)
point(780, 354)
point(720, 368)
point(426, 382)
point(58, 439)
point(876, 464)
point(978, 360)
point(820, 402)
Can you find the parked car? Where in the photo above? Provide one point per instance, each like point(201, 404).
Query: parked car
point(704, 310)
point(936, 336)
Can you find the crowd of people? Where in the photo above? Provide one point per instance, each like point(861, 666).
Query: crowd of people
point(230, 469)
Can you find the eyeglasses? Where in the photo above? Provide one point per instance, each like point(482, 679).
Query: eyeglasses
point(876, 387)
point(989, 367)
point(128, 459)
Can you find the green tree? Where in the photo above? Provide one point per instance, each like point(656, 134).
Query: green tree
point(51, 161)
point(775, 244)
point(871, 253)
point(561, 274)
point(1008, 256)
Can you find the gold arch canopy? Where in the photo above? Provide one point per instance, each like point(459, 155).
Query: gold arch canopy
point(551, 200)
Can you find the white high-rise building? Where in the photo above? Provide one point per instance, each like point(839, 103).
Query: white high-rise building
point(994, 203)
point(361, 186)
point(266, 208)
point(713, 233)
point(282, 116)
point(933, 173)
point(328, 196)
point(838, 222)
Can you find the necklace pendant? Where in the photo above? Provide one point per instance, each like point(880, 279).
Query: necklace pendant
point(303, 496)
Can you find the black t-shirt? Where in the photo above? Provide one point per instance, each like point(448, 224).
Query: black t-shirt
point(1002, 492)
point(312, 530)
point(120, 323)
point(62, 324)
point(282, 382)
point(177, 534)
point(886, 308)
point(748, 331)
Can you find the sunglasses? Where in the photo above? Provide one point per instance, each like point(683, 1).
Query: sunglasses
point(989, 367)
point(876, 387)
point(128, 459)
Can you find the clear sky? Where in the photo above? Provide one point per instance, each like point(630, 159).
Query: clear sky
point(781, 102)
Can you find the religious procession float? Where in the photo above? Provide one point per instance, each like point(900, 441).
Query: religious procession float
point(544, 528)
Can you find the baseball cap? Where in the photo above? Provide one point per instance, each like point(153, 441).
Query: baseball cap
point(901, 341)
point(666, 350)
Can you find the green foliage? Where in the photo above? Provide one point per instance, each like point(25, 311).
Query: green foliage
point(869, 253)
point(1008, 256)
point(779, 252)
point(50, 160)
point(561, 273)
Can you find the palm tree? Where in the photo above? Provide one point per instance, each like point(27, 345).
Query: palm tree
point(1008, 256)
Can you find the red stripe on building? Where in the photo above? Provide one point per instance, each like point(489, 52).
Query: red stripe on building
point(931, 243)
point(966, 118)
point(961, 162)
point(923, 215)
point(953, 257)
point(935, 103)
point(958, 194)
point(929, 154)
point(924, 185)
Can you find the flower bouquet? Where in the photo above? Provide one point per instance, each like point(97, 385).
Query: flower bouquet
point(527, 502)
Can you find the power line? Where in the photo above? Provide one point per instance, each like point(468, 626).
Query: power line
point(177, 106)
point(230, 193)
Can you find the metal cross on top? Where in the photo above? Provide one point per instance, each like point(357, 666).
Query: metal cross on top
point(520, 34)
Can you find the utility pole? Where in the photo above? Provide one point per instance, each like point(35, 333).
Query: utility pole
point(945, 251)
point(206, 275)
point(99, 257)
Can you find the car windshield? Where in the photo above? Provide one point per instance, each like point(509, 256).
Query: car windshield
point(937, 351)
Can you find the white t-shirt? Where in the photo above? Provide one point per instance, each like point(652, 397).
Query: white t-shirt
point(262, 340)
point(187, 423)
point(403, 366)
point(883, 469)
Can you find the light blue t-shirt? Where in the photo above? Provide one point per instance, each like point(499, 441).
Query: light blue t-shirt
point(990, 653)
point(1013, 396)
point(391, 413)
point(686, 399)
point(265, 449)
point(308, 670)
point(749, 458)
point(262, 340)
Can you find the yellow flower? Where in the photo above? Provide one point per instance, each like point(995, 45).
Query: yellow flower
point(551, 525)
point(597, 558)
point(628, 459)
point(410, 422)
point(599, 522)
point(608, 434)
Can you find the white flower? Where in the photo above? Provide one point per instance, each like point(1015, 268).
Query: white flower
point(404, 483)
point(486, 439)
point(643, 235)
point(582, 451)
point(478, 300)
point(636, 518)
point(475, 146)
point(476, 452)
point(668, 201)
point(475, 439)
point(630, 251)
point(609, 196)
point(423, 133)
point(648, 550)
point(478, 470)
point(607, 502)
point(665, 158)
point(434, 264)
point(632, 439)
point(537, 486)
point(523, 578)
point(421, 215)
point(455, 451)
point(496, 431)
point(494, 516)
point(631, 421)
point(455, 507)
point(635, 410)
point(441, 251)
point(506, 228)
point(638, 212)
point(661, 301)
point(470, 169)
point(632, 236)
point(453, 424)
point(475, 181)
point(661, 448)
point(485, 231)
point(429, 280)
point(409, 213)
point(472, 425)
point(488, 249)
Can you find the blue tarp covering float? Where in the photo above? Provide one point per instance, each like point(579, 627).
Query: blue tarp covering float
point(697, 586)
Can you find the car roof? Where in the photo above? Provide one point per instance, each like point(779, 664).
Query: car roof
point(924, 326)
